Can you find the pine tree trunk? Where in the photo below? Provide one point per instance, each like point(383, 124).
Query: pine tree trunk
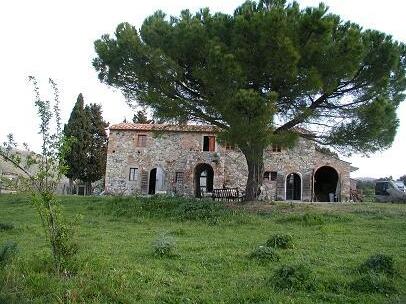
point(255, 162)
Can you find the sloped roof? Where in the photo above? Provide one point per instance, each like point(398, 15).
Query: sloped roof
point(164, 127)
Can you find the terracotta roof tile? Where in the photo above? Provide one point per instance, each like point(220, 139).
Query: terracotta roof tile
point(164, 127)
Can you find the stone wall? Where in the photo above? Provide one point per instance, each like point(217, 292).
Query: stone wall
point(181, 151)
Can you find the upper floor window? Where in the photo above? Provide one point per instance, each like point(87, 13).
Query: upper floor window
point(270, 175)
point(276, 148)
point(133, 174)
point(229, 146)
point(209, 143)
point(141, 140)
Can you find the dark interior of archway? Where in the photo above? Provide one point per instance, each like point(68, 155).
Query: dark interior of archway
point(293, 187)
point(152, 181)
point(325, 182)
point(200, 171)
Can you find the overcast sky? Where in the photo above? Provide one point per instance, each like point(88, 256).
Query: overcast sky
point(55, 39)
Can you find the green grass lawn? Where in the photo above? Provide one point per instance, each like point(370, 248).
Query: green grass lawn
point(211, 262)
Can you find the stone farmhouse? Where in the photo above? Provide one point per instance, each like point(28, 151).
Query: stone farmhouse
point(189, 160)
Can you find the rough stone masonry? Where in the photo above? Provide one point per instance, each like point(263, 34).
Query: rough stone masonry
point(189, 160)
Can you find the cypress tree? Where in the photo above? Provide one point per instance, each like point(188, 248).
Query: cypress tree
point(86, 159)
point(97, 146)
point(75, 130)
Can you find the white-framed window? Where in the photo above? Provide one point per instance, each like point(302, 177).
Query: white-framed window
point(133, 174)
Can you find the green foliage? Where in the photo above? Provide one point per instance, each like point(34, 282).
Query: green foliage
point(373, 283)
point(379, 263)
point(283, 241)
point(264, 253)
point(59, 232)
point(86, 158)
point(8, 250)
point(368, 131)
point(164, 245)
point(49, 167)
point(6, 226)
point(293, 277)
point(141, 117)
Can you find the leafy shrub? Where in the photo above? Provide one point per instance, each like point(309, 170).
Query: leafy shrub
point(6, 226)
point(7, 252)
point(164, 245)
point(373, 283)
point(283, 241)
point(265, 253)
point(297, 277)
point(379, 263)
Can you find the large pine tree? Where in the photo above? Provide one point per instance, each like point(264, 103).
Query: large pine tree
point(263, 74)
point(85, 130)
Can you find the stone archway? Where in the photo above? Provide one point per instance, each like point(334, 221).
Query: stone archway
point(326, 181)
point(204, 176)
point(293, 187)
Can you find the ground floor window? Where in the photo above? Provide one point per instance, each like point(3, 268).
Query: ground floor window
point(133, 174)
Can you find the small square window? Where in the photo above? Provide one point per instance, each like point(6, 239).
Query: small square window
point(276, 148)
point(270, 175)
point(133, 174)
point(229, 146)
point(179, 177)
point(209, 143)
point(142, 140)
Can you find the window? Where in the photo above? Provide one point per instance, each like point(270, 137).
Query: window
point(133, 174)
point(209, 143)
point(276, 148)
point(142, 140)
point(270, 175)
point(229, 146)
point(179, 177)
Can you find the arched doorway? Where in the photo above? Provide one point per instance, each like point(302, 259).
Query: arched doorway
point(293, 187)
point(156, 180)
point(326, 184)
point(204, 175)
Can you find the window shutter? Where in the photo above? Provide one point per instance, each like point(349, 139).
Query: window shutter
point(212, 142)
point(144, 182)
point(307, 186)
point(280, 187)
